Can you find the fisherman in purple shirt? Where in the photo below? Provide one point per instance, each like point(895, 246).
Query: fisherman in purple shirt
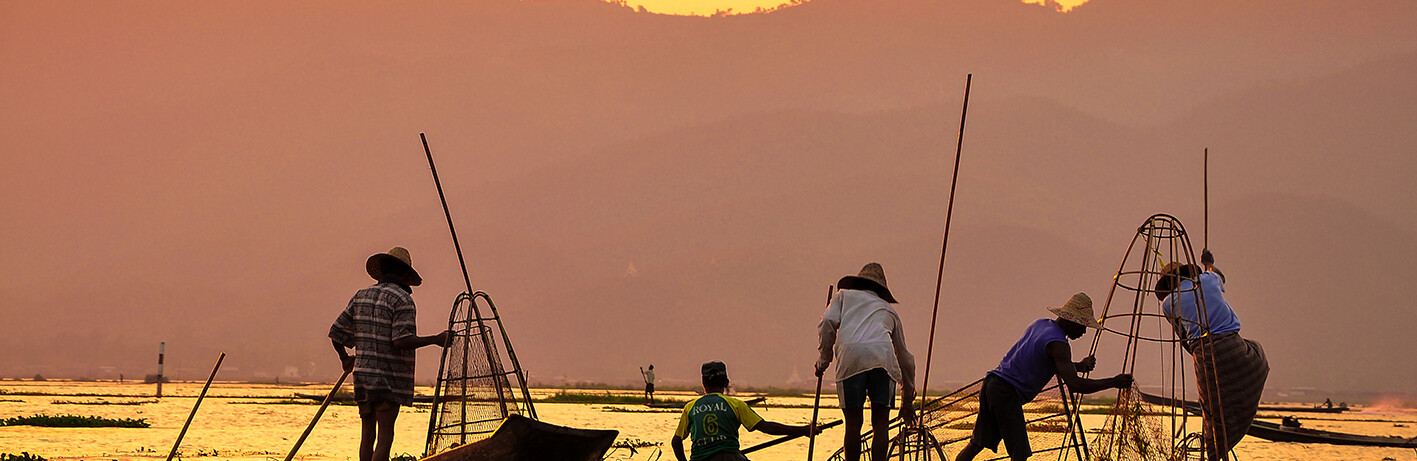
point(1033, 361)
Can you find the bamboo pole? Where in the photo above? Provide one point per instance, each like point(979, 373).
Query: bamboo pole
point(817, 400)
point(319, 412)
point(194, 407)
point(949, 212)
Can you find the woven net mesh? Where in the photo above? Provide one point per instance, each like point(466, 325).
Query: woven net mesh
point(1136, 430)
point(476, 388)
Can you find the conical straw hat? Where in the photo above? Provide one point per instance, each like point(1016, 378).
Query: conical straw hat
point(873, 278)
point(1078, 310)
point(400, 254)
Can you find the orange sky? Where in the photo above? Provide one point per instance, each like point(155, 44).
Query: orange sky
point(213, 178)
point(708, 7)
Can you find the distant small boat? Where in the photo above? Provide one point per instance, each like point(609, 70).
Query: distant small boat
point(1280, 433)
point(1313, 409)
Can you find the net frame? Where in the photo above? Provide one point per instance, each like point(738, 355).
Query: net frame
point(1161, 239)
point(477, 387)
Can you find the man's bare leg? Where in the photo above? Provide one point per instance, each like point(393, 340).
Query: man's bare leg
point(852, 444)
point(386, 414)
point(880, 432)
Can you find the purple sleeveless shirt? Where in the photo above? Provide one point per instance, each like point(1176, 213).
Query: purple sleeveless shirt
point(1027, 365)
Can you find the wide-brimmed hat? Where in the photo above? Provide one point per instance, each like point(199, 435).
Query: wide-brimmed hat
point(872, 277)
point(1078, 310)
point(1171, 276)
point(375, 265)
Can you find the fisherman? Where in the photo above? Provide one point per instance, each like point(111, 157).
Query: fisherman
point(1026, 369)
point(379, 325)
point(649, 382)
point(1231, 369)
point(712, 421)
point(862, 329)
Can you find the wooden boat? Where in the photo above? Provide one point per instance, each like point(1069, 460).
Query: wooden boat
point(1280, 433)
point(519, 438)
point(1314, 409)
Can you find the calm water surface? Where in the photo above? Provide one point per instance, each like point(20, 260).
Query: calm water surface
point(239, 421)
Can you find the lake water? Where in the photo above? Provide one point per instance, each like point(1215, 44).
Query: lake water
point(240, 421)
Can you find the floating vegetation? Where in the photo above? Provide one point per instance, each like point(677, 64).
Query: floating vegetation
point(639, 410)
point(631, 443)
point(606, 398)
point(101, 402)
point(73, 421)
point(23, 456)
point(288, 402)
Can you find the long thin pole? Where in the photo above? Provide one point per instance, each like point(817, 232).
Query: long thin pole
point(1205, 220)
point(466, 280)
point(949, 213)
point(316, 419)
point(784, 439)
point(486, 340)
point(173, 453)
point(817, 401)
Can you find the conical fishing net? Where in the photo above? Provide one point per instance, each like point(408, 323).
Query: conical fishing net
point(476, 387)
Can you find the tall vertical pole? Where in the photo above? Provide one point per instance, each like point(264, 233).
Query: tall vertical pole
point(1205, 220)
point(482, 329)
point(161, 351)
point(949, 212)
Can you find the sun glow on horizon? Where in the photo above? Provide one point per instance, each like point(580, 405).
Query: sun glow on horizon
point(716, 7)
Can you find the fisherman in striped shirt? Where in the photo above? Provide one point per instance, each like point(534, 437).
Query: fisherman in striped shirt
point(379, 324)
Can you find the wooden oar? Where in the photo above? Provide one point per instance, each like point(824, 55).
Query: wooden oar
point(173, 453)
point(786, 438)
point(817, 400)
point(321, 411)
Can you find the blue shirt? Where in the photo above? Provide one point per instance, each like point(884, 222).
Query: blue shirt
point(1219, 318)
point(1027, 365)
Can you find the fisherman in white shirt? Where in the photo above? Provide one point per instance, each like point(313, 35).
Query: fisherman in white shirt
point(864, 333)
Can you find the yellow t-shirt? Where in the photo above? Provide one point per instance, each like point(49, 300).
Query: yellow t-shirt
point(712, 423)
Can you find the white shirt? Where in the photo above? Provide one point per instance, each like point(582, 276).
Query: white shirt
point(865, 333)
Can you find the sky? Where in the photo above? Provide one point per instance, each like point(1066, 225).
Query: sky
point(639, 188)
point(710, 7)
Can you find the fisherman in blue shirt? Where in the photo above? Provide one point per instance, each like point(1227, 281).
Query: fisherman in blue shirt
point(1040, 354)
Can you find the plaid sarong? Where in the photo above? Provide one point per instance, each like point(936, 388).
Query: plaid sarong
point(1232, 371)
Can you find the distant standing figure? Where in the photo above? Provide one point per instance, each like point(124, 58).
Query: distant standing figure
point(712, 421)
point(379, 324)
point(865, 334)
point(649, 382)
point(1231, 370)
point(1026, 369)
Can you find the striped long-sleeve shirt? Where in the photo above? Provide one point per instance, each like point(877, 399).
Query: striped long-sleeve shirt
point(375, 317)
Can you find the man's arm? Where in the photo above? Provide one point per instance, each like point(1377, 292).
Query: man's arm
point(1062, 356)
point(678, 445)
point(907, 371)
point(346, 361)
point(772, 428)
point(415, 342)
point(826, 335)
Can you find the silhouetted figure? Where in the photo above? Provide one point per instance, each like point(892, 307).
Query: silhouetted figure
point(1030, 364)
point(379, 324)
point(868, 339)
point(1231, 370)
point(648, 375)
point(712, 421)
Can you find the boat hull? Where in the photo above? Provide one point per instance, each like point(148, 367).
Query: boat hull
point(522, 439)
